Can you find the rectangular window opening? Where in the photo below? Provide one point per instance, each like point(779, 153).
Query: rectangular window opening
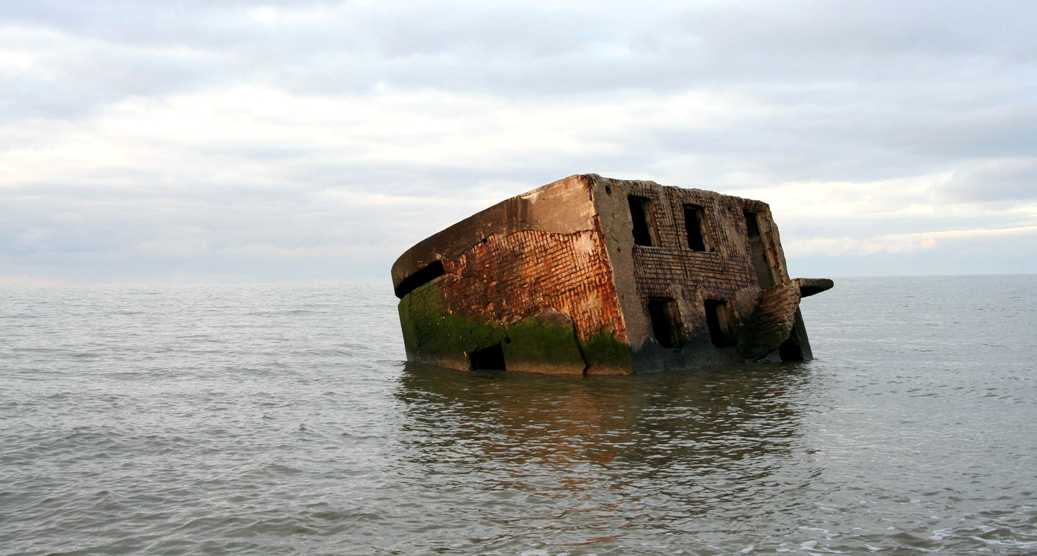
point(693, 225)
point(641, 218)
point(665, 322)
point(751, 224)
point(757, 251)
point(717, 319)
point(487, 359)
point(419, 278)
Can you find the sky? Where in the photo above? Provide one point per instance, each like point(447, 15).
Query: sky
point(202, 141)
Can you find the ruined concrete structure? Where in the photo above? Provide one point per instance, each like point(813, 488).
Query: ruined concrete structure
point(591, 275)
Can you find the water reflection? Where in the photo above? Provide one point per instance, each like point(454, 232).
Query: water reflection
point(675, 430)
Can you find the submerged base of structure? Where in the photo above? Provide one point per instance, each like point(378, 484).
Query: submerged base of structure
point(590, 275)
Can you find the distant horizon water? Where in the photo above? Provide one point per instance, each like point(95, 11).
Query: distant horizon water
point(20, 281)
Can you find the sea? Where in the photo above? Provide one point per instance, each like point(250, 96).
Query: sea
point(283, 419)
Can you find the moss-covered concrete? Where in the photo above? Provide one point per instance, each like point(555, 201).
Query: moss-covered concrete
point(432, 334)
point(545, 342)
point(606, 355)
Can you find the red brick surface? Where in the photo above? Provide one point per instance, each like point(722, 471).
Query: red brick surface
point(509, 277)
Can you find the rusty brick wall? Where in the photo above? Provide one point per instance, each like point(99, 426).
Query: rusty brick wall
point(511, 276)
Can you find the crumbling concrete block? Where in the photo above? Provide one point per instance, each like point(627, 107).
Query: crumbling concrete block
point(592, 275)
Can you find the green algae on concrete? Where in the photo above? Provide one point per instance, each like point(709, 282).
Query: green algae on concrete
point(605, 354)
point(432, 334)
point(545, 342)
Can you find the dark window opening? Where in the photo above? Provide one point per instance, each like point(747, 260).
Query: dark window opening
point(487, 359)
point(751, 224)
point(757, 251)
point(665, 324)
point(422, 276)
point(693, 225)
point(717, 319)
point(641, 218)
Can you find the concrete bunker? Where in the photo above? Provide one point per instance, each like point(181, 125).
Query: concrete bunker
point(592, 275)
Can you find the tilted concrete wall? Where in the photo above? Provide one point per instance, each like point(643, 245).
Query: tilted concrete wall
point(671, 269)
point(553, 278)
point(531, 273)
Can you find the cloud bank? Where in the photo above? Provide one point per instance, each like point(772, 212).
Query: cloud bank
point(231, 141)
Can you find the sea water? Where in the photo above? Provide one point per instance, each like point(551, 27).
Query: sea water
point(283, 419)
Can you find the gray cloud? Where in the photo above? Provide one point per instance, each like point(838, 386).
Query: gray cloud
point(131, 140)
point(1008, 180)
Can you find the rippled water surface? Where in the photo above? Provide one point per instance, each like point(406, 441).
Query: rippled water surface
point(283, 420)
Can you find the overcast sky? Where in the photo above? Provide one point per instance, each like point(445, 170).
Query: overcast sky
point(205, 141)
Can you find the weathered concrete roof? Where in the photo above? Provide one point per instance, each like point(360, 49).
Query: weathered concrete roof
point(521, 212)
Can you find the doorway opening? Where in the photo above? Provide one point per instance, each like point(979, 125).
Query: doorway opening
point(487, 359)
point(666, 325)
point(718, 321)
